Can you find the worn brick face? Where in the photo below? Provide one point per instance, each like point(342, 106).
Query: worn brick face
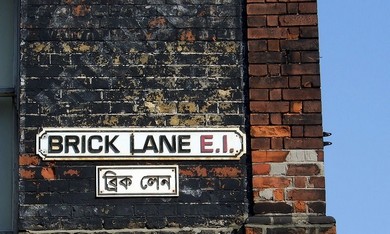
point(130, 64)
point(285, 112)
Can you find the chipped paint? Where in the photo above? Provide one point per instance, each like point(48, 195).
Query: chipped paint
point(110, 120)
point(226, 171)
point(81, 10)
point(28, 160)
point(39, 47)
point(72, 172)
point(48, 173)
point(198, 171)
point(26, 174)
point(187, 35)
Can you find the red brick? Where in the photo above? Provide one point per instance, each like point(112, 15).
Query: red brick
point(299, 45)
point(300, 207)
point(260, 143)
point(296, 131)
point(269, 156)
point(276, 119)
point(303, 143)
point(300, 182)
point(268, 82)
point(271, 182)
point(257, 70)
point(257, 45)
point(306, 195)
point(276, 143)
point(269, 33)
point(272, 21)
point(302, 94)
point(258, 94)
point(313, 131)
point(312, 106)
point(265, 57)
point(293, 33)
point(256, 21)
point(308, 32)
point(302, 119)
point(317, 182)
point(275, 94)
point(310, 57)
point(274, 69)
point(298, 20)
point(279, 195)
point(294, 81)
point(265, 106)
point(293, 56)
point(252, 230)
point(303, 170)
point(292, 8)
point(270, 131)
point(273, 45)
point(320, 155)
point(296, 107)
point(308, 7)
point(261, 169)
point(259, 119)
point(266, 9)
point(301, 69)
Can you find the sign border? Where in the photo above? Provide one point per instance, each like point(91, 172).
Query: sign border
point(176, 194)
point(132, 158)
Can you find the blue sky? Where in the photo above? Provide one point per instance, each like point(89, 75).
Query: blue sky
point(355, 73)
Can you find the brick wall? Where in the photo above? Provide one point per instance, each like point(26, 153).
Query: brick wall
point(130, 63)
point(176, 63)
point(285, 117)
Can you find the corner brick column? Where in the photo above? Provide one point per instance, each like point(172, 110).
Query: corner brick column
point(285, 118)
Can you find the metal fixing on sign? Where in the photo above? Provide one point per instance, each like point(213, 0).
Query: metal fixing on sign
point(140, 144)
point(135, 181)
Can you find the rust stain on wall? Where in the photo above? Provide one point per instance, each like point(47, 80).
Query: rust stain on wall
point(81, 10)
point(72, 172)
point(157, 22)
point(187, 35)
point(226, 171)
point(28, 160)
point(26, 174)
point(194, 171)
point(48, 173)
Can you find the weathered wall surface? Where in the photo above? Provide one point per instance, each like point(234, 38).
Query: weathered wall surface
point(176, 63)
point(129, 63)
point(285, 117)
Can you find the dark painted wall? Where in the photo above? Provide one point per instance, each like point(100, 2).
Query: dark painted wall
point(130, 63)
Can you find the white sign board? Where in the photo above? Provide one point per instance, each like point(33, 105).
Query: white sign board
point(136, 181)
point(140, 144)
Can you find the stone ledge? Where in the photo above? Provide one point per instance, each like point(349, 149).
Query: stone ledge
point(288, 220)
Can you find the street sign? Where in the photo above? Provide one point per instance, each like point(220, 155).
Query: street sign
point(140, 144)
point(136, 181)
